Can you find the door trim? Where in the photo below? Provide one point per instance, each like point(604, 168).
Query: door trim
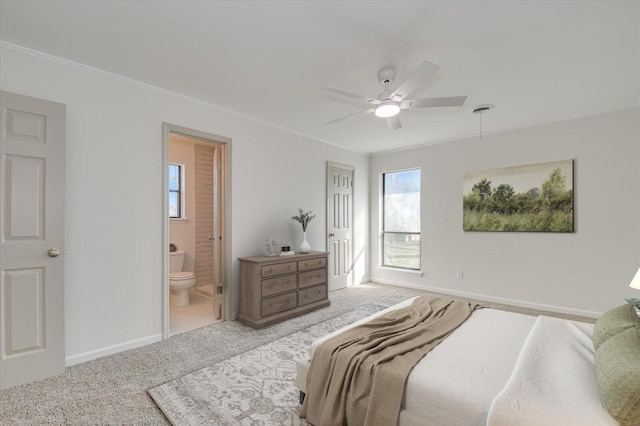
point(227, 277)
point(353, 224)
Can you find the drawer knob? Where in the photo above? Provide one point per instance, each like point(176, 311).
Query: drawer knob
point(270, 270)
point(270, 285)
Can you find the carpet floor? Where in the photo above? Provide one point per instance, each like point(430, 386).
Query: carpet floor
point(112, 390)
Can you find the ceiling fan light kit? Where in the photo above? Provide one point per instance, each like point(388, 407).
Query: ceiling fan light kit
point(389, 103)
point(387, 109)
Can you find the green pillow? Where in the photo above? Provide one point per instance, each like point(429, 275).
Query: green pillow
point(618, 370)
point(614, 322)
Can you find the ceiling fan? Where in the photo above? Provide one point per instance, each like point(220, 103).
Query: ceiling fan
point(389, 102)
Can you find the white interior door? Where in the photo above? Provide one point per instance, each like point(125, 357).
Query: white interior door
point(218, 221)
point(31, 239)
point(340, 225)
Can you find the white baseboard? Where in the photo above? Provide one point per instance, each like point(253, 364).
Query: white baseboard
point(365, 279)
point(501, 300)
point(110, 350)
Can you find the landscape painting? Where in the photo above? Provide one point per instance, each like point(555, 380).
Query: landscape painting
point(531, 198)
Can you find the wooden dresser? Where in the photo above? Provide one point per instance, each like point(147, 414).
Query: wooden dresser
point(276, 288)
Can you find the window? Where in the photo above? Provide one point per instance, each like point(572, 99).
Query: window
point(175, 191)
point(401, 219)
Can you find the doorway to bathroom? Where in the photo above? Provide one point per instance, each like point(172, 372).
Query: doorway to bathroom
point(195, 242)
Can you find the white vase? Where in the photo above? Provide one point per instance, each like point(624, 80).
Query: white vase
point(304, 245)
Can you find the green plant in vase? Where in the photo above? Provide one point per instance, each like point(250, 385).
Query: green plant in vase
point(304, 218)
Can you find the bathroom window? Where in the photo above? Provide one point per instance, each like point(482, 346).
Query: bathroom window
point(176, 191)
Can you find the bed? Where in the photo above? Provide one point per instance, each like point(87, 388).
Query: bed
point(501, 368)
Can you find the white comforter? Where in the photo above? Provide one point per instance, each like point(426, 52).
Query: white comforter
point(554, 381)
point(502, 368)
point(455, 383)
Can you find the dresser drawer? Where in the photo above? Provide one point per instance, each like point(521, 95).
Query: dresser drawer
point(306, 265)
point(307, 279)
point(275, 304)
point(312, 294)
point(279, 269)
point(279, 285)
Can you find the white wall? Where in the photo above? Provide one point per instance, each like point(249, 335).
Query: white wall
point(113, 266)
point(181, 231)
point(585, 272)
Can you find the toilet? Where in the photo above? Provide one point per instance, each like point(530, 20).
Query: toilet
point(179, 281)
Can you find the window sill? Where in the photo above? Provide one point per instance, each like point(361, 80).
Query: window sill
point(402, 271)
point(178, 220)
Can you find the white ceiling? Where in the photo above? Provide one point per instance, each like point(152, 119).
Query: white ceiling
point(537, 61)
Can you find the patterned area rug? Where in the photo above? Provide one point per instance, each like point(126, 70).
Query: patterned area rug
point(254, 388)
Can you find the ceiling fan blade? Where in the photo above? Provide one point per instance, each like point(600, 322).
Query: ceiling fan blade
point(450, 101)
point(351, 95)
point(415, 79)
point(370, 110)
point(393, 123)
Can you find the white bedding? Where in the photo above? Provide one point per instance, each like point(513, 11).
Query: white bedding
point(554, 381)
point(456, 383)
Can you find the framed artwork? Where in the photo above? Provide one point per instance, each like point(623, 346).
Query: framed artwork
point(530, 198)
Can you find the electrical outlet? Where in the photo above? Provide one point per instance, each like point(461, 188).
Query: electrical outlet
point(459, 274)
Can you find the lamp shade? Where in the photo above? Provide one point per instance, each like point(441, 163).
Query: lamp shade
point(635, 282)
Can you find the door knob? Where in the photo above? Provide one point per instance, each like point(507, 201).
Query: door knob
point(211, 237)
point(332, 234)
point(54, 252)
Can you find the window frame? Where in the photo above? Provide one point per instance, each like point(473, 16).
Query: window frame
point(384, 232)
point(180, 191)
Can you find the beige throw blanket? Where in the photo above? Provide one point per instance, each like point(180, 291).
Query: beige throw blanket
point(358, 377)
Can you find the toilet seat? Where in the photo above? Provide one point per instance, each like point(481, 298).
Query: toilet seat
point(181, 276)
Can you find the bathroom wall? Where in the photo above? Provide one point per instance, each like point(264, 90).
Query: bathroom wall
point(204, 213)
point(181, 231)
